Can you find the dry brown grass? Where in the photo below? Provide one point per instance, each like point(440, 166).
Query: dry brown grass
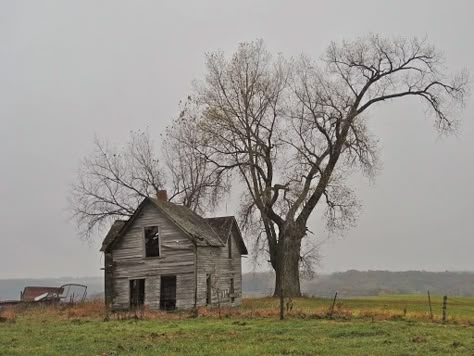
point(251, 309)
point(8, 314)
point(93, 309)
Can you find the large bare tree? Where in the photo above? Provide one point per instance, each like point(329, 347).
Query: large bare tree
point(112, 181)
point(294, 129)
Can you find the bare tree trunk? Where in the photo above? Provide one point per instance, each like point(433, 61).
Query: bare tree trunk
point(287, 266)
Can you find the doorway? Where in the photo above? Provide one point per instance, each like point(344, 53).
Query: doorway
point(208, 289)
point(137, 293)
point(168, 293)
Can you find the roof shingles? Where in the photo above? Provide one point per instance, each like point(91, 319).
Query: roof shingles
point(195, 225)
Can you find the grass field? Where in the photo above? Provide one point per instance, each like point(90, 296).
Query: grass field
point(391, 325)
point(390, 306)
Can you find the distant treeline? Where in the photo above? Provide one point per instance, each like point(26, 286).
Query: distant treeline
point(350, 283)
point(365, 283)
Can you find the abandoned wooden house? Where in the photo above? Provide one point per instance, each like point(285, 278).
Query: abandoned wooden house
point(168, 257)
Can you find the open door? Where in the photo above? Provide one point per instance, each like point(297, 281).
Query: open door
point(137, 293)
point(168, 293)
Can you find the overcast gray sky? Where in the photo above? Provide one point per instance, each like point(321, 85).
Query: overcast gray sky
point(72, 70)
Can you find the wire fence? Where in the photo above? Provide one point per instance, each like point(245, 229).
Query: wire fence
point(429, 306)
point(419, 306)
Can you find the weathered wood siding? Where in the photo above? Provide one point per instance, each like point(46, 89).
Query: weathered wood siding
point(129, 261)
point(215, 261)
point(108, 278)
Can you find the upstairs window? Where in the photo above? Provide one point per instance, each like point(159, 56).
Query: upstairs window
point(152, 241)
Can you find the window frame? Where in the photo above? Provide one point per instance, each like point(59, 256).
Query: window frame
point(141, 297)
point(145, 240)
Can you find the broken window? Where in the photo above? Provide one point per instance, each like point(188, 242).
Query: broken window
point(152, 241)
point(137, 293)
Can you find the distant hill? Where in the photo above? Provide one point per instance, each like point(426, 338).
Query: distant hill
point(354, 283)
point(350, 283)
point(365, 283)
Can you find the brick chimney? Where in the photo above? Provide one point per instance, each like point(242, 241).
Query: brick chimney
point(162, 195)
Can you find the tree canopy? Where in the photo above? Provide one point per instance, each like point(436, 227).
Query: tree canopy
point(292, 129)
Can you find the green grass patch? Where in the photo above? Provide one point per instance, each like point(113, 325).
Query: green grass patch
point(253, 329)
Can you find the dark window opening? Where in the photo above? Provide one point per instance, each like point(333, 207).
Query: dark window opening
point(208, 290)
point(229, 247)
point(137, 293)
point(152, 241)
point(232, 297)
point(168, 293)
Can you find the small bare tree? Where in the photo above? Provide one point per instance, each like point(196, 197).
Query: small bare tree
point(294, 129)
point(112, 181)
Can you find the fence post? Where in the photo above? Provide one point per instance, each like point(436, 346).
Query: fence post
point(332, 306)
point(445, 302)
point(431, 309)
point(282, 305)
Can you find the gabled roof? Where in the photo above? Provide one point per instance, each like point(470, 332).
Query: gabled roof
point(223, 226)
point(113, 232)
point(204, 232)
point(192, 223)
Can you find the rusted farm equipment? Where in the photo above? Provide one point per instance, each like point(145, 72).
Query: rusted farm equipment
point(69, 293)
